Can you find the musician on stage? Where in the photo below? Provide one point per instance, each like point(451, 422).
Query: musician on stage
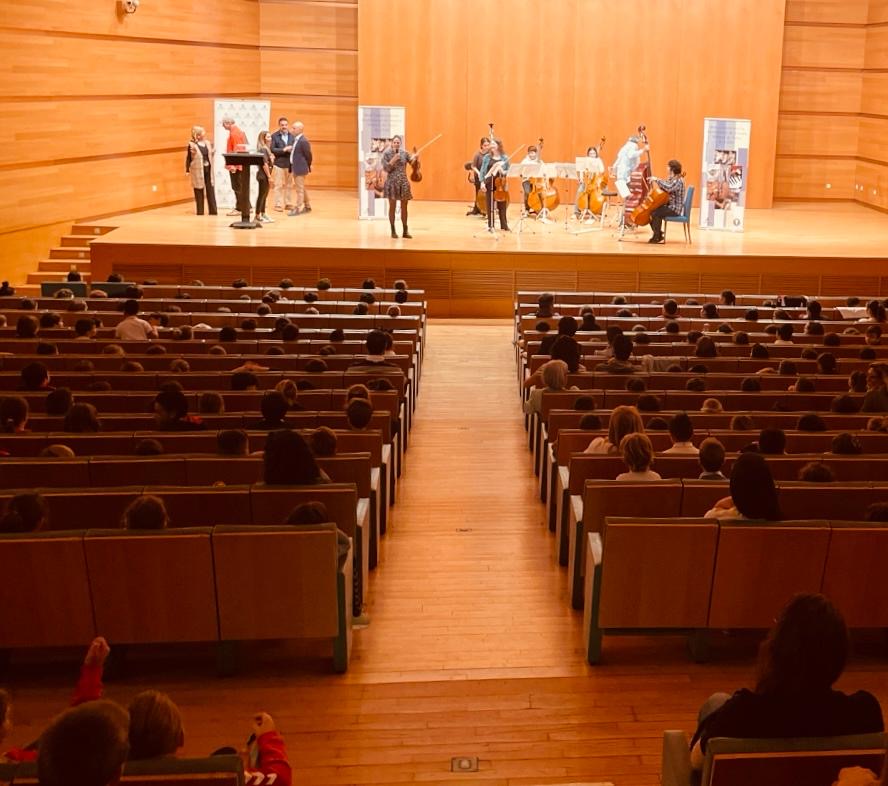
point(674, 185)
point(532, 157)
point(495, 163)
point(397, 184)
point(627, 160)
point(596, 167)
point(475, 168)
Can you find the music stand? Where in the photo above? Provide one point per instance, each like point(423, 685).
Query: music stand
point(245, 160)
point(490, 231)
point(527, 171)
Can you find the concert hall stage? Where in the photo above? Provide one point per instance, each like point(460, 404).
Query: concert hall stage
point(804, 248)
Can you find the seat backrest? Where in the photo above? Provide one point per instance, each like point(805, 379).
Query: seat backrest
point(152, 586)
point(57, 473)
point(156, 470)
point(216, 505)
point(760, 566)
point(294, 566)
point(856, 566)
point(810, 761)
point(602, 498)
point(272, 504)
point(349, 468)
point(171, 771)
point(207, 470)
point(640, 565)
point(838, 501)
point(689, 202)
point(45, 591)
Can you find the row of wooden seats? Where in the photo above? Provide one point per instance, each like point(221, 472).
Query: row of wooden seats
point(256, 292)
point(199, 584)
point(233, 400)
point(221, 319)
point(676, 498)
point(569, 478)
point(527, 325)
point(594, 296)
point(200, 506)
point(685, 311)
point(692, 575)
point(169, 771)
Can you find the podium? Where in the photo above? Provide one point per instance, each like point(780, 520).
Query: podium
point(245, 160)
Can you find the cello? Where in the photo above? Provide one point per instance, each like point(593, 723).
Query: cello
point(639, 181)
point(592, 198)
point(543, 194)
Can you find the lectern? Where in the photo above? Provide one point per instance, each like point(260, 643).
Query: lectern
point(245, 160)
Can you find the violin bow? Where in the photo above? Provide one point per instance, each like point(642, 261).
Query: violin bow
point(430, 142)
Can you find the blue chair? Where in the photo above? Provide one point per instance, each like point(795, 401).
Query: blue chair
point(685, 218)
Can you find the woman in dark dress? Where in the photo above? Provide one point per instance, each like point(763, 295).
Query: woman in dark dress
point(199, 166)
point(803, 656)
point(397, 184)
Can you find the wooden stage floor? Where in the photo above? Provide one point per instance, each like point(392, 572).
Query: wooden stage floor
point(794, 247)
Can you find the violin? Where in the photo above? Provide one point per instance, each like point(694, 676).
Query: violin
point(415, 167)
point(543, 194)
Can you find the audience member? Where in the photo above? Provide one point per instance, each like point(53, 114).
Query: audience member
point(712, 406)
point(810, 421)
point(313, 513)
point(753, 493)
point(816, 472)
point(584, 404)
point(82, 418)
point(620, 362)
point(803, 656)
point(648, 402)
point(553, 376)
point(27, 512)
point(772, 441)
point(289, 461)
point(638, 456)
point(132, 327)
point(14, 413)
point(844, 405)
point(232, 442)
point(171, 412)
point(590, 422)
point(322, 442)
point(148, 447)
point(146, 512)
point(35, 376)
point(846, 444)
point(623, 420)
point(876, 398)
point(681, 431)
point(56, 451)
point(274, 409)
point(358, 413)
point(712, 459)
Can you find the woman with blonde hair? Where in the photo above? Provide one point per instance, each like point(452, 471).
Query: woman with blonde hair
point(289, 390)
point(638, 455)
point(199, 165)
point(623, 420)
point(263, 176)
point(554, 377)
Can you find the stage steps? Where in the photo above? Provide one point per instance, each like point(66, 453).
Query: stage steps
point(73, 249)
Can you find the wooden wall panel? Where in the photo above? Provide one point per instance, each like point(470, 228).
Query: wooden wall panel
point(451, 88)
point(842, 11)
point(807, 178)
point(877, 47)
point(878, 11)
point(94, 188)
point(824, 47)
point(814, 134)
point(873, 143)
point(872, 179)
point(326, 118)
point(135, 124)
point(874, 94)
point(82, 66)
point(315, 72)
point(822, 91)
point(308, 25)
point(228, 22)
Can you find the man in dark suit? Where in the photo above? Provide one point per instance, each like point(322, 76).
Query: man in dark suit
point(281, 146)
point(300, 166)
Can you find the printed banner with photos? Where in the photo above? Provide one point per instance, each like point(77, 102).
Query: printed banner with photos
point(251, 117)
point(725, 173)
point(376, 127)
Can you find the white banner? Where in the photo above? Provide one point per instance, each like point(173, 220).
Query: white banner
point(376, 127)
point(725, 173)
point(251, 117)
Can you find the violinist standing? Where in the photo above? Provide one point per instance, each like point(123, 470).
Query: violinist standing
point(477, 160)
point(674, 185)
point(397, 184)
point(495, 162)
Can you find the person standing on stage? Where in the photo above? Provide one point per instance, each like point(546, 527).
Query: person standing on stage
point(300, 166)
point(199, 165)
point(627, 160)
point(532, 157)
point(281, 147)
point(263, 176)
point(397, 184)
point(674, 185)
point(475, 166)
point(495, 163)
point(236, 139)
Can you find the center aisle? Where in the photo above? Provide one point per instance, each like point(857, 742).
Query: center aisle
point(467, 586)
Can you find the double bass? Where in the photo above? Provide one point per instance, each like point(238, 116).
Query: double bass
point(592, 198)
point(639, 181)
point(543, 194)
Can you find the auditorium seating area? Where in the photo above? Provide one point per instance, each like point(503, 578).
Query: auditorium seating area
point(639, 557)
point(226, 528)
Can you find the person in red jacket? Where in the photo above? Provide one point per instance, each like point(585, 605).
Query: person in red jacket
point(89, 688)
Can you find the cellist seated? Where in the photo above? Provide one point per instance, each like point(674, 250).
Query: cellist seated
point(532, 157)
point(596, 167)
point(674, 185)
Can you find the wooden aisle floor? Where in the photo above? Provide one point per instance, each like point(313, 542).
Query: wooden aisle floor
point(472, 649)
